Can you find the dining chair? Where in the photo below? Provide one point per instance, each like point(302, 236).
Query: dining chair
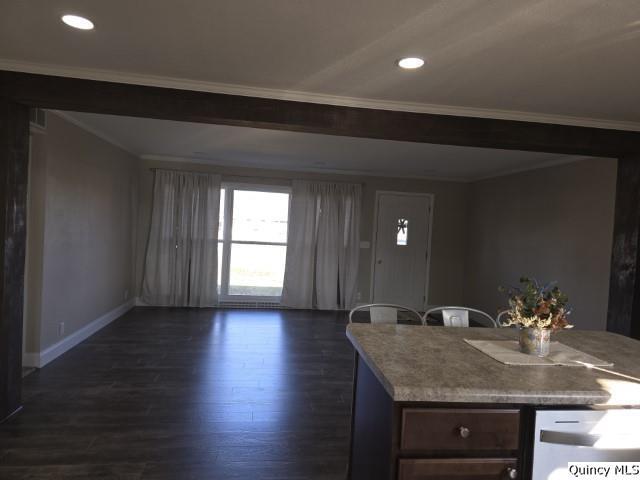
point(459, 316)
point(380, 313)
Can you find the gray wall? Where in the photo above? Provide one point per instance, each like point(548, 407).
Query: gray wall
point(449, 226)
point(554, 223)
point(81, 220)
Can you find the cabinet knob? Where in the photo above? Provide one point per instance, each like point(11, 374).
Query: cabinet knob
point(464, 432)
point(512, 473)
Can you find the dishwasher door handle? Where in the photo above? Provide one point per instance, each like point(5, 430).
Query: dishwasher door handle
point(609, 441)
point(567, 438)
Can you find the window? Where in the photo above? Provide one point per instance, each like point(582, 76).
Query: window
point(252, 241)
point(403, 231)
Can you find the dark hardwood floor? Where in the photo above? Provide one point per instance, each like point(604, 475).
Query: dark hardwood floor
point(190, 394)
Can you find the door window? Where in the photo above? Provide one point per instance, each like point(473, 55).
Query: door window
point(403, 231)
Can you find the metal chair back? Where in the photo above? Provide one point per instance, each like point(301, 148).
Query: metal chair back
point(381, 313)
point(453, 316)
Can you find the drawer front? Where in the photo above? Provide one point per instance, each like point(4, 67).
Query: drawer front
point(459, 429)
point(485, 469)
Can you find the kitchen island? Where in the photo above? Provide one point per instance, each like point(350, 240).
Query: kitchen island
point(427, 405)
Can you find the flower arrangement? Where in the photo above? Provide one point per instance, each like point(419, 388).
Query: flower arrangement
point(532, 305)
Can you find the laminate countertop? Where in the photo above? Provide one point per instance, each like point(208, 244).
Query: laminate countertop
point(434, 364)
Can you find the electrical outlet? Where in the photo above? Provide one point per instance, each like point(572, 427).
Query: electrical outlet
point(358, 296)
point(61, 329)
point(126, 294)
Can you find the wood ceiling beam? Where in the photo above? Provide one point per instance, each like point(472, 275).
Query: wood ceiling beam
point(172, 104)
point(14, 162)
point(624, 284)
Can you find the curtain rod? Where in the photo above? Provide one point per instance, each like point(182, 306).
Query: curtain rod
point(153, 169)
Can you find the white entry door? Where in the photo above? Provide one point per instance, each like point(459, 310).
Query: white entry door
point(401, 249)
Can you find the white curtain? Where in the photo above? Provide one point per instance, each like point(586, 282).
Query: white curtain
point(323, 246)
point(181, 264)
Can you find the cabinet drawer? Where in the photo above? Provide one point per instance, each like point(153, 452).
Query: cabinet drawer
point(459, 429)
point(459, 469)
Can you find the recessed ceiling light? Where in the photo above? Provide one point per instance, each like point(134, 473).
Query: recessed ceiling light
point(78, 22)
point(410, 63)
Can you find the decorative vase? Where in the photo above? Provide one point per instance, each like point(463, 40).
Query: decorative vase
point(535, 341)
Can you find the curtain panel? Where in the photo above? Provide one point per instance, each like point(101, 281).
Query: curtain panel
point(323, 246)
point(181, 263)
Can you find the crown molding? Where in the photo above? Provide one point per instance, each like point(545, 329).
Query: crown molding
point(326, 171)
point(230, 89)
point(79, 123)
point(561, 160)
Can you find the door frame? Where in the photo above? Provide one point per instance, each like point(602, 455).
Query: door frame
point(374, 238)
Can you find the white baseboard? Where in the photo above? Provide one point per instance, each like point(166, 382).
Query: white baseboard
point(30, 359)
point(39, 360)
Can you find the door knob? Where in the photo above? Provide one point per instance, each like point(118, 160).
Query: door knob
point(464, 432)
point(512, 473)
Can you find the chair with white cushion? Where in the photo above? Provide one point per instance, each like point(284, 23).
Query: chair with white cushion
point(380, 313)
point(459, 316)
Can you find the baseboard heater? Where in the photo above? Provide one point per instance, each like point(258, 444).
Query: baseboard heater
point(251, 304)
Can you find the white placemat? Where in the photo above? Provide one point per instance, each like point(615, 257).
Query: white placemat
point(508, 352)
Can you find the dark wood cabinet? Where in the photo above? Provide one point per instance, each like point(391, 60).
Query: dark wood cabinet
point(425, 441)
point(444, 429)
point(459, 469)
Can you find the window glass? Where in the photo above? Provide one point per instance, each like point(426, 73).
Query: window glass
point(403, 231)
point(260, 216)
point(248, 262)
point(256, 270)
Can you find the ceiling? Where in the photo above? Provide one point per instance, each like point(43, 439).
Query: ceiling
point(275, 149)
point(569, 61)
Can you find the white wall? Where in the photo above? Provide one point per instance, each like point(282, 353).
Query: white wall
point(81, 220)
point(554, 223)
